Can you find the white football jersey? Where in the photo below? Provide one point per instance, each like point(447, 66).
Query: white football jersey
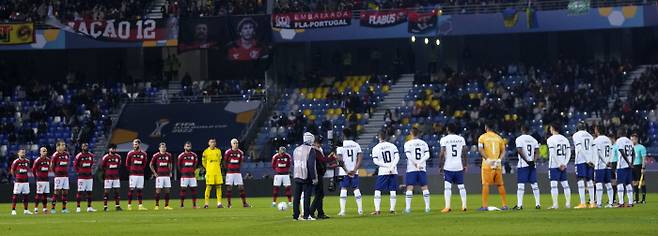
point(603, 147)
point(559, 151)
point(529, 145)
point(349, 152)
point(417, 151)
point(386, 156)
point(624, 144)
point(454, 145)
point(583, 143)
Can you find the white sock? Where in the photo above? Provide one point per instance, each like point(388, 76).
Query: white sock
point(426, 198)
point(447, 193)
point(629, 192)
point(301, 204)
point(590, 188)
point(535, 191)
point(407, 199)
point(359, 203)
point(567, 193)
point(611, 194)
point(462, 193)
point(620, 193)
point(378, 200)
point(554, 193)
point(343, 200)
point(599, 194)
point(581, 191)
point(519, 194)
point(393, 200)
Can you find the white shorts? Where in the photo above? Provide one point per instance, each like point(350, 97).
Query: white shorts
point(21, 188)
point(163, 182)
point(188, 182)
point(281, 179)
point(85, 185)
point(43, 187)
point(61, 183)
point(111, 183)
point(329, 174)
point(136, 182)
point(234, 179)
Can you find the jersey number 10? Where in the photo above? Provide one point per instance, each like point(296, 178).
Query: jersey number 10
point(386, 156)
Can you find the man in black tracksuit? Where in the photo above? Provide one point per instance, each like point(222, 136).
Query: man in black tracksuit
point(305, 176)
point(321, 167)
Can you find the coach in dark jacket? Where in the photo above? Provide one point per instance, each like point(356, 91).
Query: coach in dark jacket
point(321, 162)
point(305, 175)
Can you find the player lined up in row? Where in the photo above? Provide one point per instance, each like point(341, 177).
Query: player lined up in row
point(161, 164)
point(599, 159)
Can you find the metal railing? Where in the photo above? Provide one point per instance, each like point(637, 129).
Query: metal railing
point(539, 5)
point(195, 99)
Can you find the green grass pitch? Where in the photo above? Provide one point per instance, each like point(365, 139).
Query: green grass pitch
point(262, 219)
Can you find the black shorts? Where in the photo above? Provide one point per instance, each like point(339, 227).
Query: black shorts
point(637, 172)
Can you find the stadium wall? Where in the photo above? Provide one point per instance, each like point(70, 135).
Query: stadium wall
point(263, 187)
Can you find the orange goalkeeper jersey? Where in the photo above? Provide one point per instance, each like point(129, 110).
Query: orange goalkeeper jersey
point(493, 146)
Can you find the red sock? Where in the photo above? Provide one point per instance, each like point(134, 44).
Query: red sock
point(275, 193)
point(89, 198)
point(229, 194)
point(36, 200)
point(54, 200)
point(14, 199)
point(64, 201)
point(25, 201)
point(166, 199)
point(77, 198)
point(182, 197)
point(194, 196)
point(116, 197)
point(139, 196)
point(130, 197)
point(157, 199)
point(105, 198)
point(44, 200)
point(289, 194)
point(243, 195)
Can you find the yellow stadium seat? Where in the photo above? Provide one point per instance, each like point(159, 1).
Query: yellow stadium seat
point(330, 112)
point(405, 121)
point(312, 117)
point(307, 112)
point(386, 88)
point(359, 116)
point(359, 128)
point(338, 111)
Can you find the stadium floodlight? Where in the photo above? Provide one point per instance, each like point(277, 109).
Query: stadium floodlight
point(413, 38)
point(427, 41)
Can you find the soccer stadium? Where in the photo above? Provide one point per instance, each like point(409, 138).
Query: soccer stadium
point(328, 117)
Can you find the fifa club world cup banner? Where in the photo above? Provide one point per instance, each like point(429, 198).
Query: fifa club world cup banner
point(16, 33)
point(311, 20)
point(383, 18)
point(420, 23)
point(240, 38)
point(120, 30)
point(177, 123)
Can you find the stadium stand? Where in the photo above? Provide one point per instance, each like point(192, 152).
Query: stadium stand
point(38, 10)
point(326, 109)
